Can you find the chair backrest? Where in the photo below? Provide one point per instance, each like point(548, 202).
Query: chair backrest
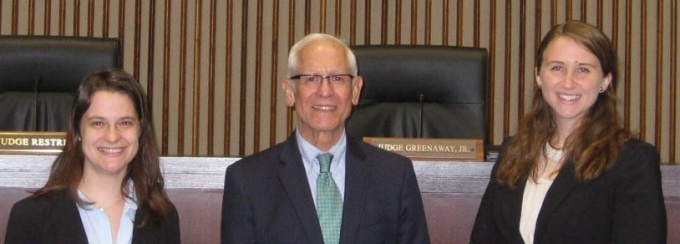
point(40, 74)
point(445, 85)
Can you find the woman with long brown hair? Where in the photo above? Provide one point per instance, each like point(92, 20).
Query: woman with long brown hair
point(572, 173)
point(106, 186)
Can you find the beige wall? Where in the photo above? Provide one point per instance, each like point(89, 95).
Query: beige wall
point(213, 67)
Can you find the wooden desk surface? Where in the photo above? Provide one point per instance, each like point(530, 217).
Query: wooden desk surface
point(451, 193)
point(31, 171)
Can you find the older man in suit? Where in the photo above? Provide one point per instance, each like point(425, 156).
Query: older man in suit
point(321, 186)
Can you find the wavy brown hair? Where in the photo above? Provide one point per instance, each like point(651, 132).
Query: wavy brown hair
point(143, 170)
point(594, 145)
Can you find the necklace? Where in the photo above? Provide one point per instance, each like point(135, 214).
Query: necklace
point(109, 207)
point(553, 154)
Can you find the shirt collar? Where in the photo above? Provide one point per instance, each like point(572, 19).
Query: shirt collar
point(130, 203)
point(309, 151)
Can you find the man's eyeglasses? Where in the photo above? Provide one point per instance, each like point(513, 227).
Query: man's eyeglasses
point(316, 80)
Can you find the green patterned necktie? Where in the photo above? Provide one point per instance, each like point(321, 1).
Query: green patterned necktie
point(328, 201)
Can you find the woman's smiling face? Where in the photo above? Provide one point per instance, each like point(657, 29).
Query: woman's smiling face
point(570, 78)
point(109, 130)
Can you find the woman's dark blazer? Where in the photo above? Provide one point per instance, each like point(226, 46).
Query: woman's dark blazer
point(624, 205)
point(55, 219)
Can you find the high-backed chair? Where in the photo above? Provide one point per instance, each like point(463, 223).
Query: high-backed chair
point(421, 91)
point(39, 75)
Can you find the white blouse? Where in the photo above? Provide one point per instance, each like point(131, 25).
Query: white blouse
point(534, 194)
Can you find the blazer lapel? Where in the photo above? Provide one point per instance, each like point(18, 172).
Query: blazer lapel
point(563, 185)
point(294, 181)
point(68, 228)
point(356, 177)
point(511, 210)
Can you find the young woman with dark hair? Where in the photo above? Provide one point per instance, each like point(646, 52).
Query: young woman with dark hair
point(106, 186)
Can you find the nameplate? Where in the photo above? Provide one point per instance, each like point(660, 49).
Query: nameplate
point(26, 142)
point(436, 149)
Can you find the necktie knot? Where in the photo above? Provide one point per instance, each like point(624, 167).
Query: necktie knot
point(325, 161)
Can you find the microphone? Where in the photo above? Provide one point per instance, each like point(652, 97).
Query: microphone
point(37, 80)
point(421, 99)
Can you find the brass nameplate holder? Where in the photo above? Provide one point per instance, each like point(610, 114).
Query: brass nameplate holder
point(433, 149)
point(32, 142)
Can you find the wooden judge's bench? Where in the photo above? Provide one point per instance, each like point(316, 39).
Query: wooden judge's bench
point(451, 193)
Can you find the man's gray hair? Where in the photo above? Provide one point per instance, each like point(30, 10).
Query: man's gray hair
point(294, 54)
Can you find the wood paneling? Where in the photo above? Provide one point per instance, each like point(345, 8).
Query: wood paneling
point(213, 68)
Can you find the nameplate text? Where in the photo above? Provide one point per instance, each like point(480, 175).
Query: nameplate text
point(431, 148)
point(30, 142)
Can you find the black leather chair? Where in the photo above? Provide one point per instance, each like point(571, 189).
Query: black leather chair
point(40, 74)
point(421, 91)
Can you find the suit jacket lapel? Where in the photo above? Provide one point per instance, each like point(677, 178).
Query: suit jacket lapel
point(356, 176)
point(563, 185)
point(66, 221)
point(294, 181)
point(511, 211)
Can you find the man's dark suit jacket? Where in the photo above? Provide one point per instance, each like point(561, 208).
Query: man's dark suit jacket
point(56, 219)
point(624, 205)
point(267, 198)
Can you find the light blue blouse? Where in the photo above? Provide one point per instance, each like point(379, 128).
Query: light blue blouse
point(96, 223)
